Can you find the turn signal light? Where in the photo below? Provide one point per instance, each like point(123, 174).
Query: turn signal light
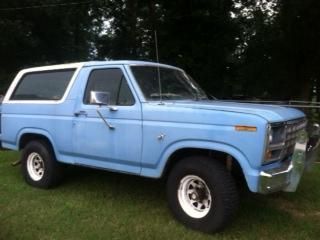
point(245, 128)
point(268, 154)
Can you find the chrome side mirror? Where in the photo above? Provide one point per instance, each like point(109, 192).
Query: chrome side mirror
point(313, 144)
point(315, 130)
point(100, 98)
point(314, 136)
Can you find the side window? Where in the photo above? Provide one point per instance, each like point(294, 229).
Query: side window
point(110, 80)
point(49, 85)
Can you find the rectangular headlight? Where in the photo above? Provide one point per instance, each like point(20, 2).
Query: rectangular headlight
point(275, 142)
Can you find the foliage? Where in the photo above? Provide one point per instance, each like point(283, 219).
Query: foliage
point(38, 36)
point(282, 55)
point(263, 49)
point(195, 35)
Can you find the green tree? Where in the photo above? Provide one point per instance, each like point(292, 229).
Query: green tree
point(196, 35)
point(42, 32)
point(281, 53)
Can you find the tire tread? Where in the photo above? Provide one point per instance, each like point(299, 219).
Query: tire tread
point(224, 184)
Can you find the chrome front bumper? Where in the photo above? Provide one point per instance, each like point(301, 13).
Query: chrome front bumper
point(287, 177)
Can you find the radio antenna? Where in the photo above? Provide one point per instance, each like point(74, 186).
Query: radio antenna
point(158, 68)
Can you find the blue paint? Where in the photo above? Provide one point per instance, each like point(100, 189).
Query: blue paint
point(133, 146)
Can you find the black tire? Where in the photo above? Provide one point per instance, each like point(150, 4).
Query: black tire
point(222, 189)
point(51, 169)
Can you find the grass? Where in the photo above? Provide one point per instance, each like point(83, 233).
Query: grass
point(93, 204)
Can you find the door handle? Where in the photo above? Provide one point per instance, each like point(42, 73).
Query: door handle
point(81, 113)
point(113, 109)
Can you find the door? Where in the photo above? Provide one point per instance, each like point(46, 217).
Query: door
point(108, 137)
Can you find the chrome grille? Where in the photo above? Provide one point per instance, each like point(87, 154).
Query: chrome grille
point(284, 137)
point(292, 130)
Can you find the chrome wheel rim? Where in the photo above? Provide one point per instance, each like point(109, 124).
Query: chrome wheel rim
point(35, 166)
point(194, 196)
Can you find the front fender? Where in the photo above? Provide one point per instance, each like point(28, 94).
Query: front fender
point(157, 170)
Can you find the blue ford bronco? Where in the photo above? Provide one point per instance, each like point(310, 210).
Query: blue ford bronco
point(153, 120)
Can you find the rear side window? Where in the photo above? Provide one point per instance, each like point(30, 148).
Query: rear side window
point(49, 85)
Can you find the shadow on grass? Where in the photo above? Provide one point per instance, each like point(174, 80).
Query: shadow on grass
point(252, 205)
point(114, 185)
point(258, 210)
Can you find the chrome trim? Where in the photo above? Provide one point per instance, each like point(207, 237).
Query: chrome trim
point(286, 177)
point(270, 175)
point(291, 130)
point(161, 136)
point(313, 145)
point(276, 146)
point(111, 127)
point(100, 98)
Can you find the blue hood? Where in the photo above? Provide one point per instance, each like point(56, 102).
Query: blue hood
point(271, 113)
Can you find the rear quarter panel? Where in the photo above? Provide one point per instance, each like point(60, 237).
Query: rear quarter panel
point(51, 120)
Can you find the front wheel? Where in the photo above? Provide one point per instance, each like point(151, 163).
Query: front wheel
point(202, 194)
point(39, 165)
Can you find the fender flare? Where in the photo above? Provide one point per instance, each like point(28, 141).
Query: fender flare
point(37, 131)
point(157, 170)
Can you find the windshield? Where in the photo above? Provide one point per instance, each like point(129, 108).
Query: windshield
point(175, 84)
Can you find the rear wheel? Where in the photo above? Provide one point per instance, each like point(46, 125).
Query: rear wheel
point(39, 165)
point(202, 194)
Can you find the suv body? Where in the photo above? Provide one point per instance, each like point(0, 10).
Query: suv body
point(126, 127)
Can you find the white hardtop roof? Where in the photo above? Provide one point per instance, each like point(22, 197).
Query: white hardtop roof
point(97, 63)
